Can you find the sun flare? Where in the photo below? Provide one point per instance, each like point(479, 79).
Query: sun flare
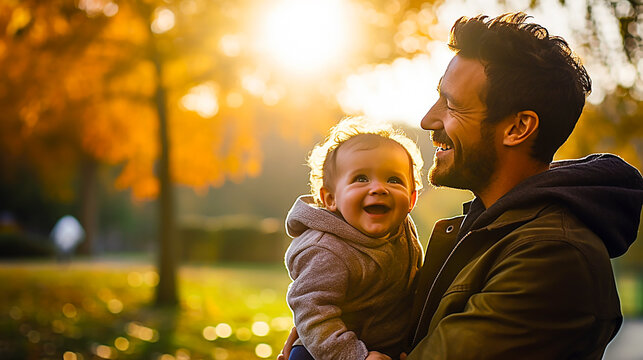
point(306, 35)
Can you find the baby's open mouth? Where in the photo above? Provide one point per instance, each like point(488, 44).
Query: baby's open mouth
point(376, 209)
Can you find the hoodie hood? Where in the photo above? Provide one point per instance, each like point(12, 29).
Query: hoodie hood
point(305, 215)
point(601, 190)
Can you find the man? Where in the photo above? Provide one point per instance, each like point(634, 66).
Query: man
point(526, 274)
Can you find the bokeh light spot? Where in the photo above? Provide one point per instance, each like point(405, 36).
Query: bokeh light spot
point(182, 354)
point(260, 328)
point(135, 279)
point(142, 332)
point(110, 9)
point(69, 310)
point(263, 350)
point(223, 330)
point(115, 306)
point(202, 99)
point(68, 355)
point(220, 353)
point(15, 313)
point(33, 336)
point(151, 278)
point(210, 333)
point(121, 343)
point(163, 20)
point(103, 351)
point(243, 334)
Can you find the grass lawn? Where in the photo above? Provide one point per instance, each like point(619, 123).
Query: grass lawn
point(102, 310)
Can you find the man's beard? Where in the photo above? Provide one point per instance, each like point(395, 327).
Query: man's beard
point(472, 168)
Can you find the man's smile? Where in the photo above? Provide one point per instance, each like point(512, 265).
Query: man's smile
point(441, 141)
point(441, 146)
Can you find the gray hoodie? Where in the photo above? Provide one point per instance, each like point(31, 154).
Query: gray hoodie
point(350, 292)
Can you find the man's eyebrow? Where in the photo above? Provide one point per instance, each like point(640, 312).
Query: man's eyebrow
point(441, 92)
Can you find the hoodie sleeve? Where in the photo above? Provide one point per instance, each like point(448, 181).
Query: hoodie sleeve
point(320, 280)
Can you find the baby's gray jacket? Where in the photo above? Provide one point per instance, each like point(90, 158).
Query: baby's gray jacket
point(350, 292)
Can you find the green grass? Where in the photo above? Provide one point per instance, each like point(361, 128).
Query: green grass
point(93, 310)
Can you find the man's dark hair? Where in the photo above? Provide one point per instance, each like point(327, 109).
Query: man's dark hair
point(527, 69)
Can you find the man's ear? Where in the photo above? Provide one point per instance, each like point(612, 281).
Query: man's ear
point(522, 125)
point(414, 197)
point(328, 198)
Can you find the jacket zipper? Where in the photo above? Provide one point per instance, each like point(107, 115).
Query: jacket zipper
point(426, 301)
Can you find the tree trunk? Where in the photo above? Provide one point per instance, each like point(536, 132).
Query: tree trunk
point(166, 292)
point(88, 203)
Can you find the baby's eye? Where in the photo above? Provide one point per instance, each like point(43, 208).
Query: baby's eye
point(360, 178)
point(395, 180)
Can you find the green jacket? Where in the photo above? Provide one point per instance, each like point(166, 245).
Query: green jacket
point(534, 282)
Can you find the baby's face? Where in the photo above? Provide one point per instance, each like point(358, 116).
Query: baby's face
point(373, 186)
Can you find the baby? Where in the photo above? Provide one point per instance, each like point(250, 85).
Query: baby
point(355, 251)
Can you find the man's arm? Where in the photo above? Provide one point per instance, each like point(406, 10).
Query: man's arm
point(538, 303)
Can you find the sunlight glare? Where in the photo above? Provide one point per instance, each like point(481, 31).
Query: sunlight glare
point(402, 91)
point(306, 35)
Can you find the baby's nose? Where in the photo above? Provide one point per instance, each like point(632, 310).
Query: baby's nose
point(378, 188)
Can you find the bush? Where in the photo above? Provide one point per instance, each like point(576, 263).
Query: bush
point(17, 244)
point(232, 239)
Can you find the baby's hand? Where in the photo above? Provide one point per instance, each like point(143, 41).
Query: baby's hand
point(374, 355)
point(403, 356)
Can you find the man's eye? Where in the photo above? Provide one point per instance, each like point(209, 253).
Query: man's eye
point(395, 180)
point(360, 178)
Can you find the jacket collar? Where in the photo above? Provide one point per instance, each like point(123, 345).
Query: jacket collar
point(514, 216)
point(511, 216)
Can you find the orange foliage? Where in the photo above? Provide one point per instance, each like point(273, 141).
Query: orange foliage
point(81, 85)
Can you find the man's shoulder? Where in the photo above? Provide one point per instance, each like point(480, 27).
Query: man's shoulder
point(557, 224)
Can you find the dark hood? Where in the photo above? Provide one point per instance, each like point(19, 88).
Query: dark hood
point(602, 190)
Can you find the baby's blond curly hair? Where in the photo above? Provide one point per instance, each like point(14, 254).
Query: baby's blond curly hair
point(322, 157)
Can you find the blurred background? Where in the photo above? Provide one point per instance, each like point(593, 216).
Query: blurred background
point(150, 150)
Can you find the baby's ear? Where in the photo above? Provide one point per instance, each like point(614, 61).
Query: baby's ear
point(414, 198)
point(328, 198)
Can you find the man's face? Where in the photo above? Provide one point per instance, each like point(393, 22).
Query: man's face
point(373, 187)
point(465, 157)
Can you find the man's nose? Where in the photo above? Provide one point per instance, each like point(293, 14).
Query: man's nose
point(433, 118)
